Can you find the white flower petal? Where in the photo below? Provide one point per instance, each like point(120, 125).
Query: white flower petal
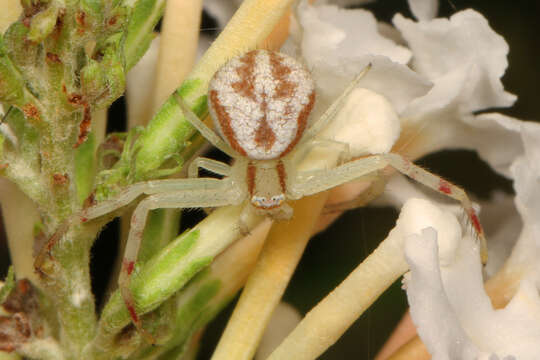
point(447, 128)
point(352, 32)
point(436, 321)
point(454, 315)
point(463, 43)
point(424, 9)
point(526, 254)
point(502, 224)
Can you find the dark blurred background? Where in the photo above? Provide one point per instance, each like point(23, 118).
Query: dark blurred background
point(333, 254)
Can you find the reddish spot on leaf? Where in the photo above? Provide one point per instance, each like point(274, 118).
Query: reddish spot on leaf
point(444, 187)
point(112, 21)
point(60, 179)
point(75, 99)
point(54, 58)
point(31, 111)
point(81, 21)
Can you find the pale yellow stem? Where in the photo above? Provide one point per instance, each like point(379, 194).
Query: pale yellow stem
point(248, 28)
point(329, 319)
point(178, 47)
point(9, 13)
point(263, 291)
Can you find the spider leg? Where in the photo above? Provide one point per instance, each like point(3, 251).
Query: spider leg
point(219, 193)
point(333, 109)
point(132, 192)
point(314, 182)
point(304, 151)
point(217, 167)
point(205, 131)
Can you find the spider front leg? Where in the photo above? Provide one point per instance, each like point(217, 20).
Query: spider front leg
point(314, 182)
point(222, 193)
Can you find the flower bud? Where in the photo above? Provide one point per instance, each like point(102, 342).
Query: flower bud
point(43, 24)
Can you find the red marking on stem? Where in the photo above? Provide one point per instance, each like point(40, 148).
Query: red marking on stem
point(129, 266)
point(133, 313)
point(84, 219)
point(84, 126)
point(444, 187)
point(476, 222)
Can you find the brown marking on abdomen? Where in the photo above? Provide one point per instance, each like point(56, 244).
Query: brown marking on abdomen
point(225, 123)
point(302, 123)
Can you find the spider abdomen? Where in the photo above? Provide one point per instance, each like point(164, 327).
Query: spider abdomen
point(260, 103)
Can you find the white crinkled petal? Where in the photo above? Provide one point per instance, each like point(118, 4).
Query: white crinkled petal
point(435, 319)
point(494, 136)
point(352, 32)
point(424, 9)
point(526, 175)
point(396, 82)
point(454, 315)
point(465, 43)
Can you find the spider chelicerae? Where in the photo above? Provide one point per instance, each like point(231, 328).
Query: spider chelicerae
point(260, 103)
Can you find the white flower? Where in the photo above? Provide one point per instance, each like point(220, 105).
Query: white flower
point(450, 69)
point(453, 314)
point(460, 322)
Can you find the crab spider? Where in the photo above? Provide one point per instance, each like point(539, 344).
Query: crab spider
point(260, 104)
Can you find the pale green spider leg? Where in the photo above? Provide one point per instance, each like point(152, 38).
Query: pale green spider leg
point(221, 193)
point(214, 166)
point(316, 181)
point(169, 193)
point(314, 129)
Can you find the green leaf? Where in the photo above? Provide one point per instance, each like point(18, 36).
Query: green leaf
point(43, 23)
point(11, 83)
point(140, 30)
point(9, 284)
